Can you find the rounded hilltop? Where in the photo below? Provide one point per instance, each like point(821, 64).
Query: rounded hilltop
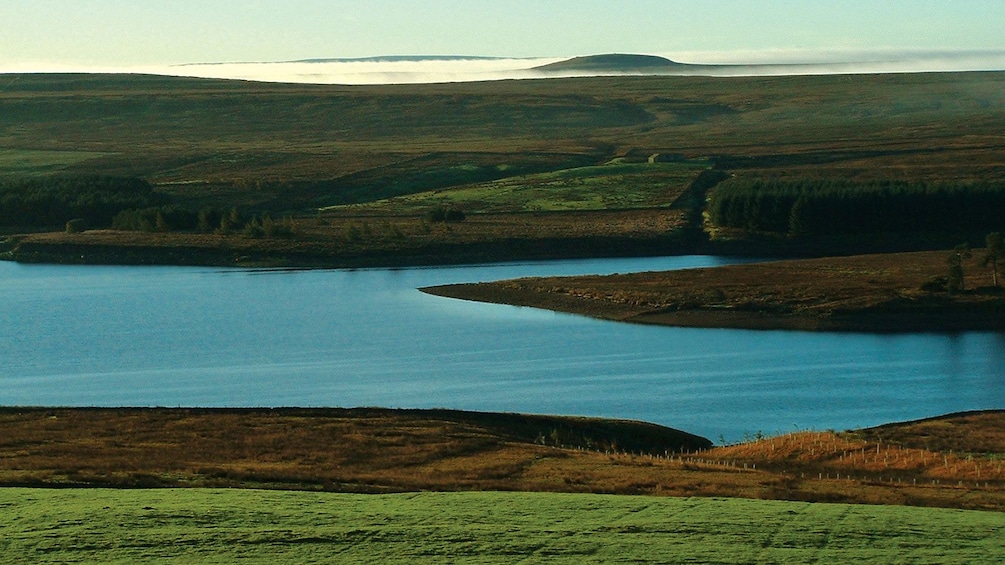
point(613, 63)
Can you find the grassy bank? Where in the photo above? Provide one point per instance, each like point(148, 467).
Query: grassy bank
point(374, 241)
point(951, 461)
point(885, 292)
point(214, 526)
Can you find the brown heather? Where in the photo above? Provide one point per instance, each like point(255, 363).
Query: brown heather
point(928, 463)
point(882, 292)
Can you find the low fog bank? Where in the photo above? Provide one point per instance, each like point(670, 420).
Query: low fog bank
point(842, 61)
point(416, 70)
point(372, 71)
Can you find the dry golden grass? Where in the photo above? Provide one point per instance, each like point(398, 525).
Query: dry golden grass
point(390, 451)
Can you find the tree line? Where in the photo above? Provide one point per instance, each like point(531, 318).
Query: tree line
point(833, 207)
point(52, 201)
point(125, 203)
point(206, 220)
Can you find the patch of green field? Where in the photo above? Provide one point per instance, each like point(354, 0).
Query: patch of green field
point(604, 187)
point(29, 162)
point(214, 526)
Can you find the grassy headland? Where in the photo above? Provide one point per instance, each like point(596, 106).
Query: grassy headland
point(884, 292)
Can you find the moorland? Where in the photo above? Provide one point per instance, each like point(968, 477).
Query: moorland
point(537, 168)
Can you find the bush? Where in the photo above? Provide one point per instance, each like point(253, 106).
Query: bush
point(935, 284)
point(76, 225)
point(443, 214)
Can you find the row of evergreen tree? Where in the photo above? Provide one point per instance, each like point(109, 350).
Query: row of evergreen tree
point(52, 201)
point(207, 220)
point(829, 207)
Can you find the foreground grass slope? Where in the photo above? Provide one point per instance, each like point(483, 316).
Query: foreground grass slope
point(951, 461)
point(218, 526)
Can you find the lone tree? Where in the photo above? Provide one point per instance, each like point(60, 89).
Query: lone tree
point(956, 282)
point(993, 253)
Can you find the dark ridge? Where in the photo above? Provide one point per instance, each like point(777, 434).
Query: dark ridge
point(596, 434)
point(615, 63)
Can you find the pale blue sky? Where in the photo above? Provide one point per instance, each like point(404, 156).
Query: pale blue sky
point(139, 32)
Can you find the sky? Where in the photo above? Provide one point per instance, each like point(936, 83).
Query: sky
point(142, 34)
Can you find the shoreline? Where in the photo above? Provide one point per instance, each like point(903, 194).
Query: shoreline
point(108, 247)
point(891, 322)
point(823, 296)
point(871, 293)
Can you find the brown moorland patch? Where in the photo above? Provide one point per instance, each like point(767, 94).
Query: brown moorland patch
point(376, 450)
point(882, 292)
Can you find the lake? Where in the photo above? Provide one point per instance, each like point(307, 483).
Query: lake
point(180, 336)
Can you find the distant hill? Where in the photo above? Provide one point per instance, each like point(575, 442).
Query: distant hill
point(629, 64)
point(615, 63)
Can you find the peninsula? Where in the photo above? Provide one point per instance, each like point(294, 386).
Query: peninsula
point(881, 292)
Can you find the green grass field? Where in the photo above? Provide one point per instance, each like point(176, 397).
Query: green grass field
point(606, 187)
point(22, 162)
point(222, 526)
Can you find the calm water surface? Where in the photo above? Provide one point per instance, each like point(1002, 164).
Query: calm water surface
point(172, 336)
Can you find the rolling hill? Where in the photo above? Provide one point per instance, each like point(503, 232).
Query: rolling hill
point(615, 63)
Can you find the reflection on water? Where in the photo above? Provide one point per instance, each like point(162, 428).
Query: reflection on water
point(167, 336)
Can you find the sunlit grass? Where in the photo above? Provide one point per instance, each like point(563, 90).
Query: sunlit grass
point(213, 526)
point(30, 162)
point(606, 187)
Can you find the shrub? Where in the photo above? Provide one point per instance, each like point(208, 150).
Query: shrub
point(442, 214)
point(935, 284)
point(76, 225)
